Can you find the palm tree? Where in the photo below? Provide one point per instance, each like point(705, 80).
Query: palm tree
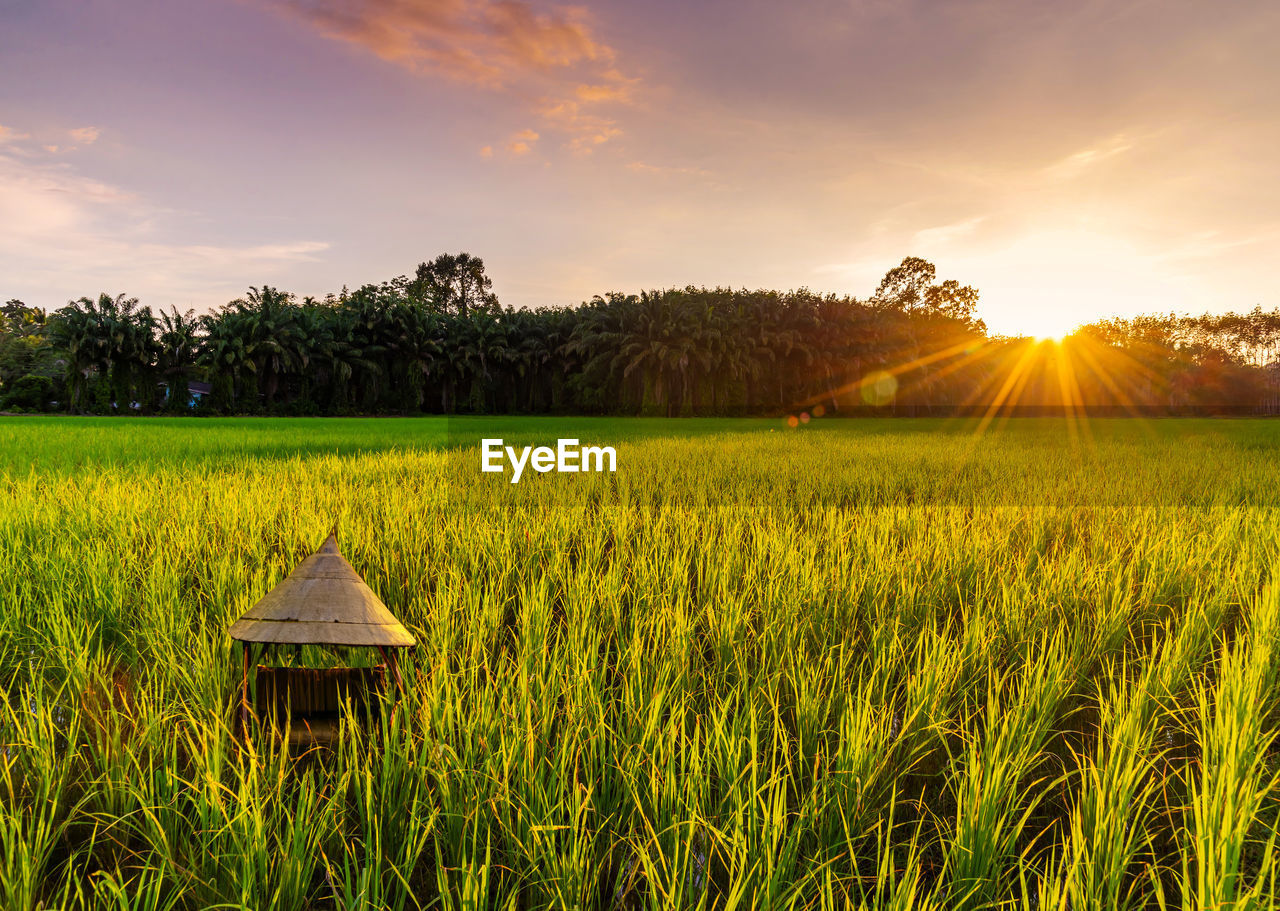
point(312, 347)
point(413, 329)
point(74, 329)
point(178, 349)
point(351, 364)
point(651, 348)
point(485, 352)
point(269, 323)
point(111, 336)
point(532, 347)
point(596, 332)
point(225, 356)
point(367, 336)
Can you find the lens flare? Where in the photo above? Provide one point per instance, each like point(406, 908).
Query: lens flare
point(879, 388)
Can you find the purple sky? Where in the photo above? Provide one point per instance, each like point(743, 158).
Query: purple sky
point(1071, 160)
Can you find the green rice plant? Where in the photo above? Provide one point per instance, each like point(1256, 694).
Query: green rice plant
point(252, 830)
point(1107, 831)
point(871, 663)
point(894, 883)
point(995, 793)
point(391, 817)
point(1110, 823)
point(1228, 861)
point(150, 889)
point(38, 794)
point(466, 879)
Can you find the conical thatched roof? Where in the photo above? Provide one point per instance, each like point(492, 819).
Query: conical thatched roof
point(322, 602)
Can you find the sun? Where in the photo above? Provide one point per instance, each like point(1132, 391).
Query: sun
point(1038, 324)
point(1045, 329)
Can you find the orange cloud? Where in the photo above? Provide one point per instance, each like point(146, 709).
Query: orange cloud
point(493, 44)
point(85, 135)
point(643, 167)
point(522, 143)
point(602, 93)
point(560, 39)
point(585, 130)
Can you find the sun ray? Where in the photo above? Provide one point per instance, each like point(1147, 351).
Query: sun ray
point(978, 394)
point(970, 359)
point(895, 371)
point(1070, 389)
point(1104, 377)
point(1015, 380)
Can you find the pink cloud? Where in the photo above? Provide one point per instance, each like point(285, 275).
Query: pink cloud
point(522, 143)
point(491, 43)
point(8, 134)
point(552, 54)
point(590, 93)
point(585, 130)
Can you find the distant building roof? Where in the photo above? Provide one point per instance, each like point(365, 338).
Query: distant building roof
point(194, 387)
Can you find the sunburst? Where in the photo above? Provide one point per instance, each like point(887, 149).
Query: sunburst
point(1059, 374)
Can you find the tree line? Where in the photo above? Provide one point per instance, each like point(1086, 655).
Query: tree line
point(439, 342)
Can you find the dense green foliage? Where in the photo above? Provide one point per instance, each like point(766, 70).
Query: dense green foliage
point(29, 362)
point(883, 662)
point(440, 343)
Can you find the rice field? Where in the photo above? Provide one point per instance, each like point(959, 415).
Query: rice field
point(882, 664)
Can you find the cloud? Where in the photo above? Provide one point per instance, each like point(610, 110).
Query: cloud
point(644, 167)
point(40, 201)
point(584, 130)
point(85, 135)
point(1078, 162)
point(943, 235)
point(64, 234)
point(605, 92)
point(552, 58)
point(561, 38)
point(522, 143)
point(517, 145)
point(82, 136)
point(492, 43)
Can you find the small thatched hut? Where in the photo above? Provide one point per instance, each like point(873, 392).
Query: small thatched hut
point(322, 602)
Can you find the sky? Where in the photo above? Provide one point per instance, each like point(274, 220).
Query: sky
point(1072, 161)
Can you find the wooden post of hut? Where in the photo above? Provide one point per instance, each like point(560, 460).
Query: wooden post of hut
point(322, 602)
